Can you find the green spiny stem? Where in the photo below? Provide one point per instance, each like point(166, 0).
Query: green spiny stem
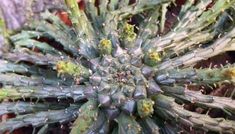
point(186, 15)
point(39, 92)
point(163, 42)
point(138, 7)
point(4, 31)
point(176, 90)
point(149, 126)
point(79, 20)
point(211, 14)
point(163, 16)
point(52, 32)
point(200, 76)
point(19, 80)
point(195, 122)
point(123, 82)
point(190, 13)
point(221, 45)
point(6, 66)
point(231, 47)
point(93, 15)
point(58, 23)
point(25, 35)
point(192, 42)
point(123, 3)
point(75, 14)
point(88, 114)
point(148, 30)
point(100, 125)
point(223, 103)
point(41, 76)
point(46, 76)
point(103, 8)
point(28, 39)
point(126, 11)
point(167, 108)
point(32, 57)
point(127, 125)
point(30, 43)
point(27, 107)
point(225, 22)
point(40, 119)
point(186, 8)
point(113, 5)
point(170, 129)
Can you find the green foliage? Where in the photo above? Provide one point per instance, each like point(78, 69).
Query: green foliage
point(123, 78)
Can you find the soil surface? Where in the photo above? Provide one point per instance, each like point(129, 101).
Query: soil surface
point(16, 13)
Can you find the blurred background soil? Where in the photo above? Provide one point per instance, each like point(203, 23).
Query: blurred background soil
point(16, 13)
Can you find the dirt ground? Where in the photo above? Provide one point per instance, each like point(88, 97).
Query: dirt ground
point(15, 13)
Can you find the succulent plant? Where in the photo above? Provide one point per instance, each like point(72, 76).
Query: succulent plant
point(114, 75)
